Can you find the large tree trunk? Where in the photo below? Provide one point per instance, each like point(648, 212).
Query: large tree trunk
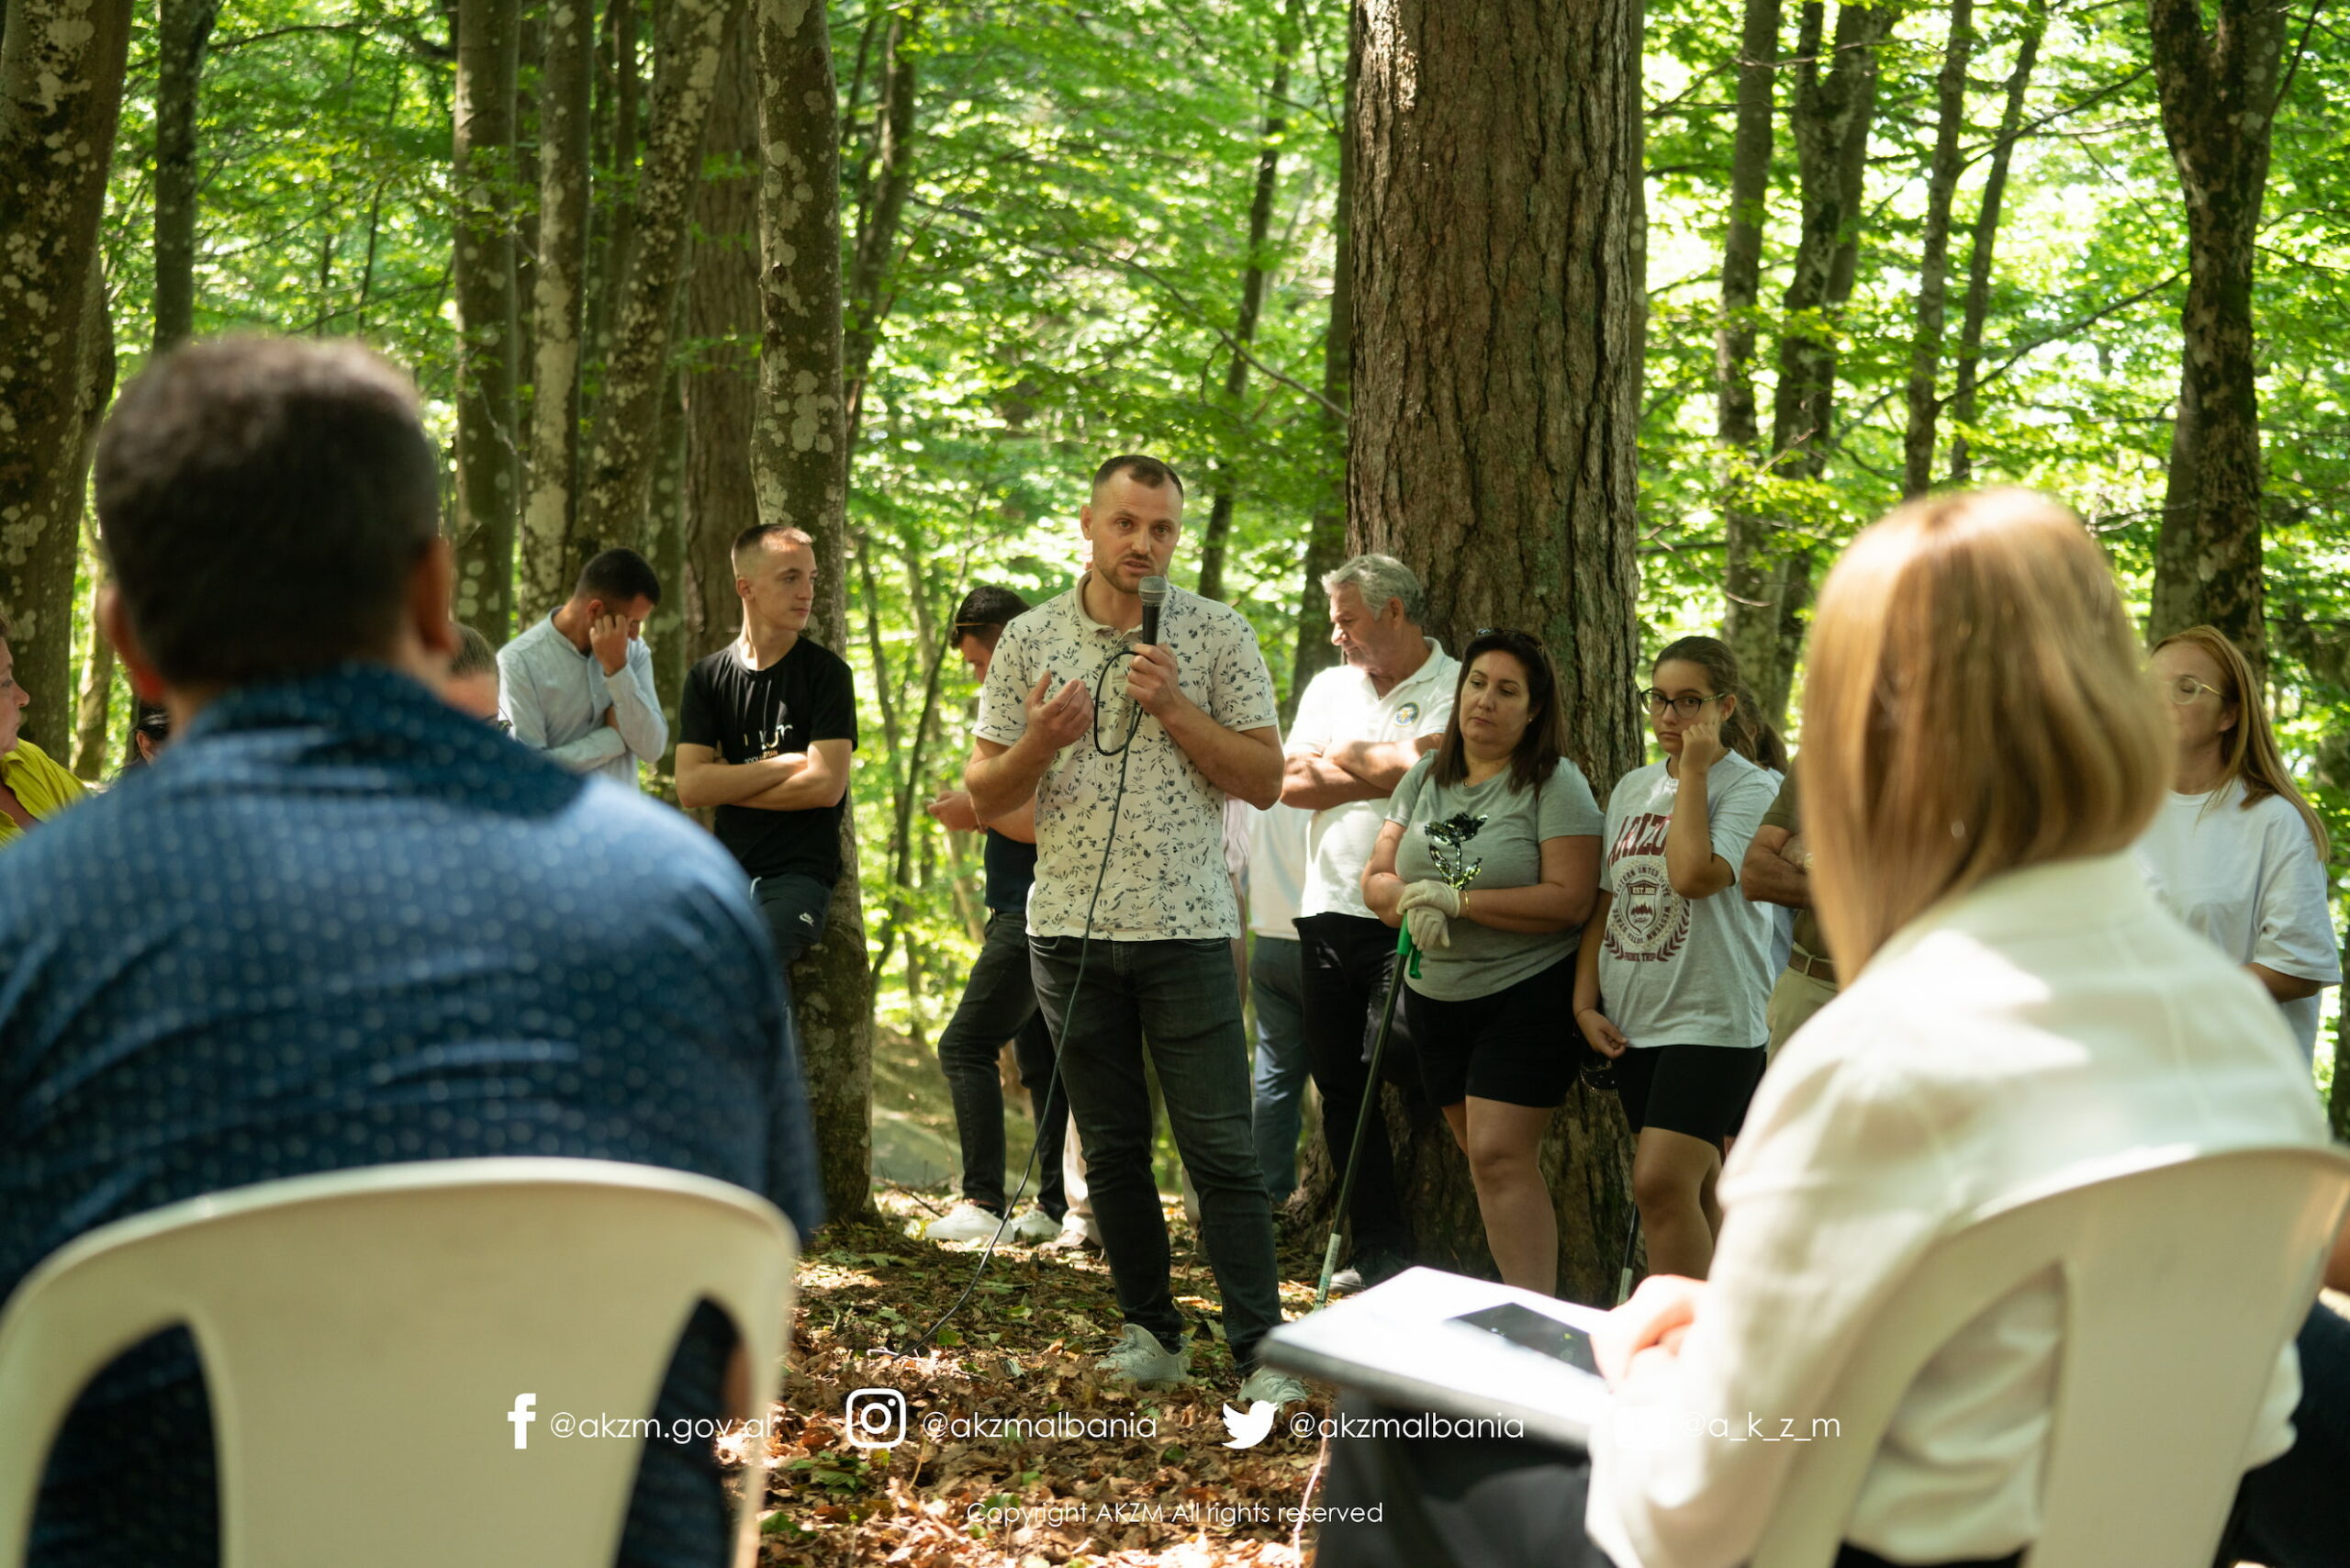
point(60, 93)
point(1835, 105)
point(617, 484)
point(1933, 262)
point(488, 458)
point(2219, 93)
point(1987, 237)
point(1253, 272)
point(1326, 538)
point(1494, 416)
point(1750, 571)
point(183, 30)
point(722, 384)
point(800, 472)
point(559, 298)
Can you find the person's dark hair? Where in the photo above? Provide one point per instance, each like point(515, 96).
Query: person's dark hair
point(1743, 731)
point(987, 608)
point(763, 534)
point(153, 720)
point(263, 503)
point(1148, 471)
point(1538, 750)
point(475, 656)
point(619, 578)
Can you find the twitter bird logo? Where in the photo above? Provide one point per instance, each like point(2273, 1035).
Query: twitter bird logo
point(1249, 1429)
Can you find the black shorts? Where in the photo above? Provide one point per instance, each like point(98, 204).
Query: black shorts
point(1699, 1091)
point(1518, 1046)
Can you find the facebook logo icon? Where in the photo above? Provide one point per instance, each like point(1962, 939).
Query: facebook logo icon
point(522, 1414)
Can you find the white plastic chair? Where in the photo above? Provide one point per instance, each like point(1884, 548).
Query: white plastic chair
point(366, 1333)
point(2181, 1278)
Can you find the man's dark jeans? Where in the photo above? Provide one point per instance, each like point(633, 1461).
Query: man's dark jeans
point(1184, 997)
point(795, 907)
point(999, 1004)
point(1348, 960)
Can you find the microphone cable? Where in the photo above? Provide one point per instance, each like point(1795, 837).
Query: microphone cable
point(1122, 752)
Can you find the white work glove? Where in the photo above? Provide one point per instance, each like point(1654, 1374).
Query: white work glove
point(1430, 927)
point(1431, 892)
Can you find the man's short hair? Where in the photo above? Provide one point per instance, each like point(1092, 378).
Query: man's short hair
point(263, 503)
point(618, 578)
point(1148, 472)
point(987, 608)
point(475, 656)
point(1380, 579)
point(762, 534)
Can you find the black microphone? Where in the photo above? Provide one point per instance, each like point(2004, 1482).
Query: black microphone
point(1153, 594)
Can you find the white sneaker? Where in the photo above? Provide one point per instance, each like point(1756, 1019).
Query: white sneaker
point(965, 1222)
point(1032, 1225)
point(1142, 1361)
point(1274, 1387)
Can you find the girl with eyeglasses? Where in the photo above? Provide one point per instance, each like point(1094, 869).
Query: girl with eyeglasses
point(2235, 852)
point(1675, 964)
point(1497, 950)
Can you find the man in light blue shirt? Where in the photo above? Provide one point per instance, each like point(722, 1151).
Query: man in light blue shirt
point(578, 686)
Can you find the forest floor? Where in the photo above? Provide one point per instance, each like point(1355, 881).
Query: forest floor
point(1148, 1480)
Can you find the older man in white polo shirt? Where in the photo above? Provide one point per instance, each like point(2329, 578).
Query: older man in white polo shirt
point(1360, 728)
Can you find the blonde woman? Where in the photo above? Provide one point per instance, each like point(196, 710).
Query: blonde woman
point(1981, 751)
point(2235, 852)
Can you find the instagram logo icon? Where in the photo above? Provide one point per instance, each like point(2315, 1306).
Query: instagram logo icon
point(876, 1418)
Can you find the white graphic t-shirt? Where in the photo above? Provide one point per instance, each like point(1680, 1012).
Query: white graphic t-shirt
point(1674, 971)
point(1165, 877)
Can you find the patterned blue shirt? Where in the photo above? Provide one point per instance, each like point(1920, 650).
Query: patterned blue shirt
point(339, 924)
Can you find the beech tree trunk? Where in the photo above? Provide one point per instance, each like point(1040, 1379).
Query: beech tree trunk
point(559, 298)
point(880, 210)
point(1326, 538)
point(2219, 90)
point(617, 484)
point(1750, 573)
point(488, 453)
point(800, 473)
point(61, 94)
point(1252, 295)
point(183, 29)
point(1985, 242)
point(722, 379)
point(1933, 262)
point(1494, 416)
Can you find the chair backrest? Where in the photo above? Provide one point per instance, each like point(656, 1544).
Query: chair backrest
point(2182, 1277)
point(366, 1333)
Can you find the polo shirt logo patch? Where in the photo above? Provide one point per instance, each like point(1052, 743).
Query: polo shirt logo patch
point(1409, 714)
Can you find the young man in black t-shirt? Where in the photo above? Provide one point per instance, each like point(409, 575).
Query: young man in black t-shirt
point(764, 735)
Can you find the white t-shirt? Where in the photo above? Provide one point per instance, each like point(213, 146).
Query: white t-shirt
point(2250, 882)
point(1277, 869)
point(1678, 971)
point(1341, 705)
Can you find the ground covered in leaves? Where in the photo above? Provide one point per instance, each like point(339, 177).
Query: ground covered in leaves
point(1016, 1452)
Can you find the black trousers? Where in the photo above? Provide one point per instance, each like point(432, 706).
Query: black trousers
point(1347, 961)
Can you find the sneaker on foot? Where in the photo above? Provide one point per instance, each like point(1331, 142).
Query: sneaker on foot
point(1032, 1225)
point(1076, 1235)
point(1274, 1387)
point(965, 1222)
point(1142, 1361)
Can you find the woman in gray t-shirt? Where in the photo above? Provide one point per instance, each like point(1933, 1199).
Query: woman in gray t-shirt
point(1494, 966)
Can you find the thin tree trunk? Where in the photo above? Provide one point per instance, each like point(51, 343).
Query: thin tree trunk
point(2219, 91)
point(558, 302)
point(1751, 570)
point(488, 458)
point(1253, 274)
point(612, 222)
point(663, 549)
point(1326, 538)
point(617, 483)
point(800, 474)
point(61, 94)
point(183, 29)
point(1494, 426)
point(96, 391)
point(1986, 244)
point(866, 303)
point(1933, 264)
point(722, 379)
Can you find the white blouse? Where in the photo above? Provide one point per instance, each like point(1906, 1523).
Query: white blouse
point(2047, 1020)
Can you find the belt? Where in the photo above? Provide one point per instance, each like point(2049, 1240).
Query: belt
point(1802, 963)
